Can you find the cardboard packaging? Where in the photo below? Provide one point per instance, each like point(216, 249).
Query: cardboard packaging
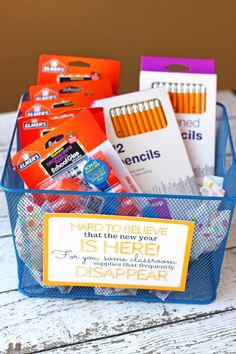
point(56, 106)
point(142, 128)
point(32, 128)
point(191, 85)
point(76, 152)
point(61, 68)
point(94, 89)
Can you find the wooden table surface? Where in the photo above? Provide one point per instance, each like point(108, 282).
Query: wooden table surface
point(35, 325)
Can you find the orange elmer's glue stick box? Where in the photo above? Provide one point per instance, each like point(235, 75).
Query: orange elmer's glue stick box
point(57, 106)
point(92, 89)
point(76, 151)
point(143, 130)
point(61, 69)
point(191, 85)
point(32, 128)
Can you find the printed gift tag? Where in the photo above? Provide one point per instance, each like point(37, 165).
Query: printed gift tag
point(116, 251)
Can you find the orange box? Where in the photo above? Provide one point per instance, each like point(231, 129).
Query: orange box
point(94, 89)
point(50, 158)
point(57, 106)
point(60, 68)
point(32, 128)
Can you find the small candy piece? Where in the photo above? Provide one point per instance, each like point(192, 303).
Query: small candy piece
point(52, 197)
point(63, 205)
point(209, 236)
point(148, 211)
point(212, 186)
point(38, 199)
point(114, 291)
point(161, 294)
point(30, 223)
point(160, 206)
point(30, 208)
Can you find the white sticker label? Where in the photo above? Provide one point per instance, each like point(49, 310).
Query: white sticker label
point(116, 251)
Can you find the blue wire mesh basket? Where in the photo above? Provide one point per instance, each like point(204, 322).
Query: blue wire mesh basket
point(212, 216)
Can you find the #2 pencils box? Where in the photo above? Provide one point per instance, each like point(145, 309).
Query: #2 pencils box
point(142, 128)
point(191, 85)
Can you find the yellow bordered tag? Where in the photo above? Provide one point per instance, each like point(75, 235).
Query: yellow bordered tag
point(116, 251)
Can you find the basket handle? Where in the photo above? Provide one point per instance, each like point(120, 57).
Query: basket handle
point(224, 137)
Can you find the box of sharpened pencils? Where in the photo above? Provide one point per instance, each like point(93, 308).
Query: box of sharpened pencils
point(191, 85)
point(142, 128)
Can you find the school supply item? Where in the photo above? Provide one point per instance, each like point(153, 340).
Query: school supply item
point(78, 151)
point(60, 68)
point(191, 85)
point(114, 292)
point(142, 128)
point(32, 128)
point(94, 89)
point(57, 106)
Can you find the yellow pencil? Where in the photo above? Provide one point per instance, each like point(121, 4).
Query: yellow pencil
point(144, 117)
point(185, 98)
point(139, 118)
point(127, 121)
point(160, 113)
point(150, 116)
point(179, 98)
point(122, 122)
point(192, 103)
point(155, 114)
point(203, 98)
point(173, 92)
point(133, 120)
point(116, 124)
point(197, 95)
